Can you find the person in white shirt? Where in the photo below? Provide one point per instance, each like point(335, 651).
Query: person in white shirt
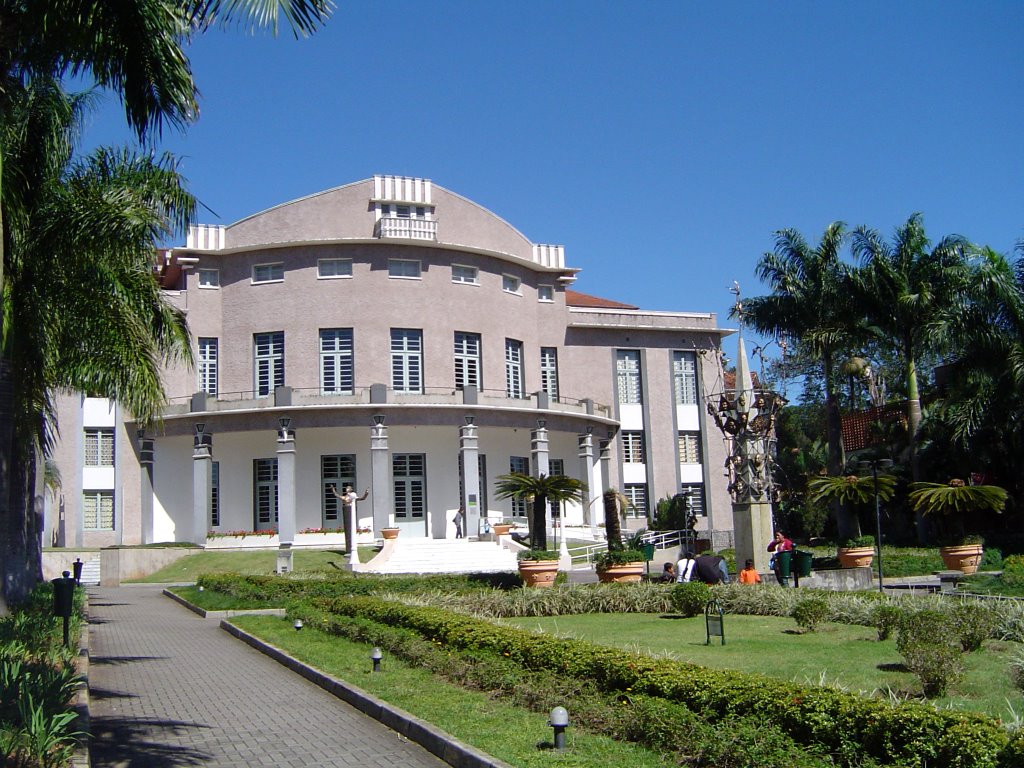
point(684, 568)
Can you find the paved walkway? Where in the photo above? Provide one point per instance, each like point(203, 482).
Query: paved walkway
point(168, 688)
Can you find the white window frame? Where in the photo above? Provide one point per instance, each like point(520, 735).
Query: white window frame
point(627, 375)
point(337, 361)
point(265, 506)
point(512, 284)
point(697, 500)
point(546, 293)
point(269, 364)
point(684, 378)
point(409, 486)
point(549, 371)
point(689, 447)
point(336, 470)
point(98, 510)
point(398, 269)
point(272, 272)
point(463, 274)
point(334, 269)
point(99, 447)
point(636, 493)
point(208, 279)
point(468, 362)
point(633, 448)
point(407, 360)
point(514, 381)
point(521, 465)
point(207, 360)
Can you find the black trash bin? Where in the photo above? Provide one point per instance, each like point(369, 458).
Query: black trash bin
point(64, 601)
point(802, 563)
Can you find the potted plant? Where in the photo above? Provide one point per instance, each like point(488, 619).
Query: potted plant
point(858, 552)
point(539, 565)
point(620, 563)
point(389, 533)
point(856, 490)
point(950, 503)
point(503, 528)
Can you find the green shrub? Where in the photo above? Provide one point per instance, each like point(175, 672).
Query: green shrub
point(1013, 571)
point(810, 611)
point(930, 647)
point(1017, 668)
point(991, 559)
point(886, 618)
point(972, 623)
point(690, 599)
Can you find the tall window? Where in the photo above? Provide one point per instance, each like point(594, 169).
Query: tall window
point(636, 493)
point(207, 368)
point(556, 468)
point(513, 368)
point(684, 376)
point(337, 376)
point(338, 471)
point(689, 447)
point(406, 360)
point(215, 494)
point(633, 447)
point(98, 510)
point(99, 447)
point(467, 360)
point(268, 362)
point(695, 493)
point(549, 371)
point(264, 496)
point(520, 464)
point(409, 473)
point(627, 371)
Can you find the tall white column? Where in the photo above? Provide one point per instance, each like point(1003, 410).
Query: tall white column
point(469, 450)
point(202, 480)
point(380, 476)
point(586, 456)
point(286, 491)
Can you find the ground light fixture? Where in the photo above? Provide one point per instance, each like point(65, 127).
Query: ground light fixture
point(375, 656)
point(559, 722)
point(297, 624)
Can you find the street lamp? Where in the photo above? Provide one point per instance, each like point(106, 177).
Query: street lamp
point(874, 465)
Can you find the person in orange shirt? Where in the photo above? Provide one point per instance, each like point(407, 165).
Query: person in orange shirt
point(749, 575)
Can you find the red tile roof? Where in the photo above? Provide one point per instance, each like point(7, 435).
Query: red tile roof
point(860, 427)
point(577, 299)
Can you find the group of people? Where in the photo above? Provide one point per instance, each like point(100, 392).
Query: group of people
point(712, 569)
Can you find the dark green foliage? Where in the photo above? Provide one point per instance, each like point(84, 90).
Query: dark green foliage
point(1013, 571)
point(810, 612)
point(931, 649)
point(691, 598)
point(991, 559)
point(618, 557)
point(674, 514)
point(972, 623)
point(886, 618)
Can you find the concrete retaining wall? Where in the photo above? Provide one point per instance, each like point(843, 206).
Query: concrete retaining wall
point(120, 564)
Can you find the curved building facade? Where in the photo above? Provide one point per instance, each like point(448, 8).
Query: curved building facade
point(395, 336)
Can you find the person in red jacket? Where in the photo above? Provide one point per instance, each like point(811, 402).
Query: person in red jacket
point(780, 544)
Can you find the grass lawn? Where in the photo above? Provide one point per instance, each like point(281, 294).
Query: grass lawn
point(508, 733)
point(988, 584)
point(837, 654)
point(256, 561)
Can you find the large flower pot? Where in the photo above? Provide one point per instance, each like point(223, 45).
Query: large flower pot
point(856, 557)
point(389, 533)
point(627, 573)
point(538, 573)
point(501, 529)
point(965, 557)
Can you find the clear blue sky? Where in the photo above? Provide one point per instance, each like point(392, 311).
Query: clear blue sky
point(661, 142)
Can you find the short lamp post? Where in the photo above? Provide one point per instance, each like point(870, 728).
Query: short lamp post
point(297, 624)
point(375, 656)
point(874, 465)
point(559, 722)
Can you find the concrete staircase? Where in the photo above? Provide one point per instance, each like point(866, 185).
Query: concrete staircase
point(446, 556)
point(91, 571)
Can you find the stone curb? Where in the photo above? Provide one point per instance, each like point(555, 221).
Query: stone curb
point(433, 739)
point(80, 757)
point(222, 614)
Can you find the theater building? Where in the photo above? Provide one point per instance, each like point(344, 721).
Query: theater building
point(395, 336)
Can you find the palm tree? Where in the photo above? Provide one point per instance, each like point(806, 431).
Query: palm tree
point(83, 309)
point(538, 491)
point(912, 296)
point(808, 303)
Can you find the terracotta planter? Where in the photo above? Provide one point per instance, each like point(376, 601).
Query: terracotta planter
point(538, 573)
point(389, 533)
point(856, 557)
point(965, 557)
point(501, 529)
point(627, 573)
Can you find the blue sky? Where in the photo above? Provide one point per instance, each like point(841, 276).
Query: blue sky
point(661, 143)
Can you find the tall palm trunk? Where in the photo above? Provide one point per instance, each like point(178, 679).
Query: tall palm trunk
point(538, 522)
point(8, 517)
point(847, 521)
point(913, 427)
point(21, 547)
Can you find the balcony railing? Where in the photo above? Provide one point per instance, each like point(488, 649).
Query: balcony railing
point(407, 229)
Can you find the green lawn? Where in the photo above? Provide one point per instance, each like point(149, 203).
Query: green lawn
point(506, 732)
point(837, 654)
point(188, 569)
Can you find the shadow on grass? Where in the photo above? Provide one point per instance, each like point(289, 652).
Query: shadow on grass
point(895, 667)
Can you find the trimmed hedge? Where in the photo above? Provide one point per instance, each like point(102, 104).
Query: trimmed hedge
point(847, 725)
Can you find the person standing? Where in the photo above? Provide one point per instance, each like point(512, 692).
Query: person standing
point(348, 501)
point(777, 545)
point(749, 574)
point(460, 521)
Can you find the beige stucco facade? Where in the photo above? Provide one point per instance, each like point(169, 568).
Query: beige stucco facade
point(383, 262)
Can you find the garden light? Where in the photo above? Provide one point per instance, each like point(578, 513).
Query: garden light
point(375, 657)
point(297, 624)
point(559, 721)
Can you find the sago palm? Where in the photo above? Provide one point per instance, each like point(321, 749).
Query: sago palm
point(538, 491)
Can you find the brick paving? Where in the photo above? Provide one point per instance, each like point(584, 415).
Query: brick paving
point(168, 688)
